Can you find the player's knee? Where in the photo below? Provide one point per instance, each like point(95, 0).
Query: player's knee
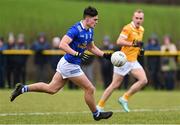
point(91, 90)
point(115, 85)
point(52, 91)
point(144, 81)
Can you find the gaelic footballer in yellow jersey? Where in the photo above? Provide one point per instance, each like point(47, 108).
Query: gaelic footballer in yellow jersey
point(130, 39)
point(132, 34)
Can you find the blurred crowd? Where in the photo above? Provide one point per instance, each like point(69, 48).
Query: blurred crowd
point(162, 71)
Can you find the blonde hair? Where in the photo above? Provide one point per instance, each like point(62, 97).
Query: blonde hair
point(138, 11)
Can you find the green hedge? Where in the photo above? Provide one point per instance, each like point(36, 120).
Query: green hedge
point(55, 16)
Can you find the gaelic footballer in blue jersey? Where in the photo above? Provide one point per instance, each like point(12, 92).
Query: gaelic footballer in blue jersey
point(81, 38)
point(77, 39)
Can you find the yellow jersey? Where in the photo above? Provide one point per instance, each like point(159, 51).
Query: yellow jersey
point(131, 33)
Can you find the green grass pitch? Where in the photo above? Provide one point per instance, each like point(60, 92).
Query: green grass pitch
point(68, 107)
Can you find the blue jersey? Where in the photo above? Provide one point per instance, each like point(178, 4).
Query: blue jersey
point(81, 37)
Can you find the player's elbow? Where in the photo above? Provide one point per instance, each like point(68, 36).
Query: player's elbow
point(118, 42)
point(62, 45)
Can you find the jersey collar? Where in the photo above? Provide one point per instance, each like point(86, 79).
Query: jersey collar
point(83, 26)
point(133, 25)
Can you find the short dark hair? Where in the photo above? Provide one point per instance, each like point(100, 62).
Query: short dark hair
point(90, 11)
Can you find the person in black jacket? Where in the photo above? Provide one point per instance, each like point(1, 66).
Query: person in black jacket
point(21, 60)
point(54, 59)
point(11, 65)
point(40, 60)
point(2, 63)
point(153, 62)
point(106, 66)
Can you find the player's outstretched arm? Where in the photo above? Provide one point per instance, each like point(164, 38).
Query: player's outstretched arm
point(95, 50)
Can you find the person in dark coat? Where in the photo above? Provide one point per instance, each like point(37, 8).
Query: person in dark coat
point(21, 60)
point(40, 60)
point(11, 65)
point(54, 59)
point(2, 63)
point(106, 66)
point(153, 62)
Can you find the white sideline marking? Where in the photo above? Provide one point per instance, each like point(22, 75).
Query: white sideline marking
point(84, 112)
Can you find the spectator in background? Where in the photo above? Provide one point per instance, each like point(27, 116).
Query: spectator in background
point(40, 60)
point(178, 62)
point(2, 63)
point(153, 62)
point(55, 58)
point(168, 65)
point(106, 66)
point(21, 60)
point(11, 59)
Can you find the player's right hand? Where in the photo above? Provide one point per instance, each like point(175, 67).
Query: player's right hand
point(137, 44)
point(141, 53)
point(84, 57)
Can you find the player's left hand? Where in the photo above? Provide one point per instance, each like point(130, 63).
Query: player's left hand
point(107, 56)
point(84, 57)
point(137, 44)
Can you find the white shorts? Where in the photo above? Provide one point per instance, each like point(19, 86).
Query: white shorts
point(67, 69)
point(127, 67)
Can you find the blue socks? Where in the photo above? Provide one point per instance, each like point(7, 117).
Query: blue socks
point(24, 89)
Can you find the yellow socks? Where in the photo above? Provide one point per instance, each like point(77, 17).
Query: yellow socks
point(101, 103)
point(126, 96)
